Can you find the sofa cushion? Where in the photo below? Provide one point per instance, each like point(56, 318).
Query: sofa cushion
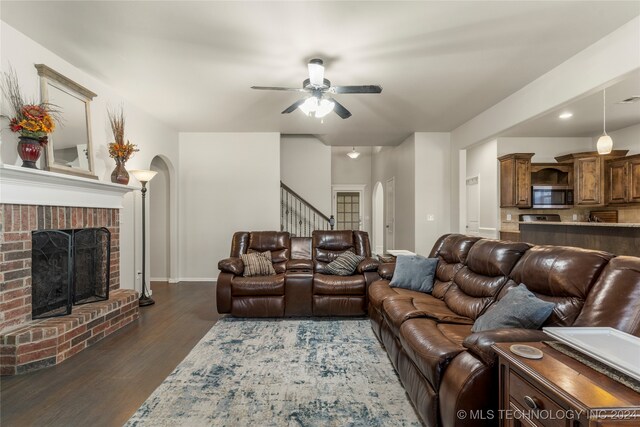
point(380, 290)
point(257, 264)
point(478, 283)
point(396, 311)
point(324, 284)
point(428, 348)
point(518, 309)
point(257, 285)
point(414, 272)
point(455, 333)
point(614, 300)
point(344, 265)
point(562, 275)
point(276, 242)
point(451, 251)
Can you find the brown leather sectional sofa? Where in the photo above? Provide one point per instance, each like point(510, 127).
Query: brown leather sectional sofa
point(443, 366)
point(300, 286)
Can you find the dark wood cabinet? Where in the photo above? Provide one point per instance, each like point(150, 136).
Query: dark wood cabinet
point(515, 180)
point(590, 176)
point(623, 180)
point(560, 391)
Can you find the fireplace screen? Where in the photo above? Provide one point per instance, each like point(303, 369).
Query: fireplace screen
point(51, 273)
point(69, 267)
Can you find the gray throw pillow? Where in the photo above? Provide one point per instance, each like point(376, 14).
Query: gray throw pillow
point(414, 272)
point(519, 308)
point(344, 265)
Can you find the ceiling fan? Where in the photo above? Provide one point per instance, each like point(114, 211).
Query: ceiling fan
point(319, 102)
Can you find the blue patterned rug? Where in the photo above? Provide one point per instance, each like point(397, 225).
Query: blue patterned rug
point(282, 373)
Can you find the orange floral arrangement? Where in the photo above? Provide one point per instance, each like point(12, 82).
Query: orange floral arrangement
point(119, 149)
point(31, 120)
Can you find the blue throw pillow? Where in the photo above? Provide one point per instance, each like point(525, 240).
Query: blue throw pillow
point(414, 272)
point(519, 308)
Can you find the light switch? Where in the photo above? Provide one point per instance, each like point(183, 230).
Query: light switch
point(575, 217)
point(508, 217)
point(431, 217)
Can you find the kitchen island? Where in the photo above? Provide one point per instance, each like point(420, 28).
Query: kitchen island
point(617, 238)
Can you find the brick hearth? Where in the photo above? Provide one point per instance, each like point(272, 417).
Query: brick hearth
point(50, 341)
point(25, 344)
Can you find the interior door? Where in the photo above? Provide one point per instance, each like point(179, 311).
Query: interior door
point(390, 202)
point(348, 210)
point(473, 206)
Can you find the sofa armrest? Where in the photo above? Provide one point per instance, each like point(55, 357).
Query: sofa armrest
point(367, 264)
point(299, 264)
point(386, 270)
point(480, 343)
point(231, 265)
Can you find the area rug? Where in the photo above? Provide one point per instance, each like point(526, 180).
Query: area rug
point(282, 373)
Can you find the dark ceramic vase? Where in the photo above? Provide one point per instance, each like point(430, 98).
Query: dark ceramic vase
point(29, 150)
point(120, 174)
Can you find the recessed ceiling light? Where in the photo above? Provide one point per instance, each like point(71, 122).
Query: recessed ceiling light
point(565, 116)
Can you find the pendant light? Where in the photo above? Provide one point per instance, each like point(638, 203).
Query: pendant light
point(605, 143)
point(353, 154)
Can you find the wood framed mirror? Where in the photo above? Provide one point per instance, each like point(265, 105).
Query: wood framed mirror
point(69, 149)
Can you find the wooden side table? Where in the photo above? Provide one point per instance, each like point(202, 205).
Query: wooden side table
point(560, 391)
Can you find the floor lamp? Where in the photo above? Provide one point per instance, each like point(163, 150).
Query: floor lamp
point(144, 176)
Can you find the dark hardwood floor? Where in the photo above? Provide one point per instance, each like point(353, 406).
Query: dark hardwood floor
point(105, 384)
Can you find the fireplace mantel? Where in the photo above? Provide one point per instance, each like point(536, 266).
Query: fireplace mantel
point(24, 186)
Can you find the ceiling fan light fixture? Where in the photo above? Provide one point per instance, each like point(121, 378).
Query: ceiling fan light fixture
point(324, 108)
point(316, 72)
point(605, 143)
point(309, 106)
point(353, 153)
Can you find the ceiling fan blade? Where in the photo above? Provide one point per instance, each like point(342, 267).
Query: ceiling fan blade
point(291, 108)
point(340, 110)
point(292, 89)
point(356, 89)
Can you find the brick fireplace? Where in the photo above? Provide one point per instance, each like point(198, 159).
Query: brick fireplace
point(27, 344)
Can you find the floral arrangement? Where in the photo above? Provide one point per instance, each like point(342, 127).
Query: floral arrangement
point(31, 120)
point(119, 149)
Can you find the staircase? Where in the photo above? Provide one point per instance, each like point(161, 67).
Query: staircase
point(299, 217)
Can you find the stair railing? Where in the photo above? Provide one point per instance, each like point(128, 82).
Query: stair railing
point(299, 217)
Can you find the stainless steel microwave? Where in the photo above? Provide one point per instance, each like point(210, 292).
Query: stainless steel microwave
point(551, 197)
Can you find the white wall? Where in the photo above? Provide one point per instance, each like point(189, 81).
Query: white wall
point(228, 182)
point(432, 195)
point(482, 161)
point(151, 135)
point(405, 183)
point(159, 203)
point(348, 171)
point(305, 166)
point(624, 139)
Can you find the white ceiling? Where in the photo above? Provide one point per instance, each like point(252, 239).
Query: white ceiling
point(439, 63)
point(587, 113)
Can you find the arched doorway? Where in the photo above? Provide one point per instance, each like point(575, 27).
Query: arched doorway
point(160, 217)
point(378, 218)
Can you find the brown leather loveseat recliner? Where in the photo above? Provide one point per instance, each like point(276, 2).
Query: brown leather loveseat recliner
point(444, 367)
point(300, 286)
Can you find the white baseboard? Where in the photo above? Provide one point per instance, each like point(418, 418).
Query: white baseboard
point(159, 279)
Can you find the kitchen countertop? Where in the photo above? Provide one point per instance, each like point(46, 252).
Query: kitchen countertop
point(588, 224)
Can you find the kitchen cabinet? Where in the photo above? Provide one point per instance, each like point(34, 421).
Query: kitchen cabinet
point(515, 180)
point(589, 176)
point(623, 180)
